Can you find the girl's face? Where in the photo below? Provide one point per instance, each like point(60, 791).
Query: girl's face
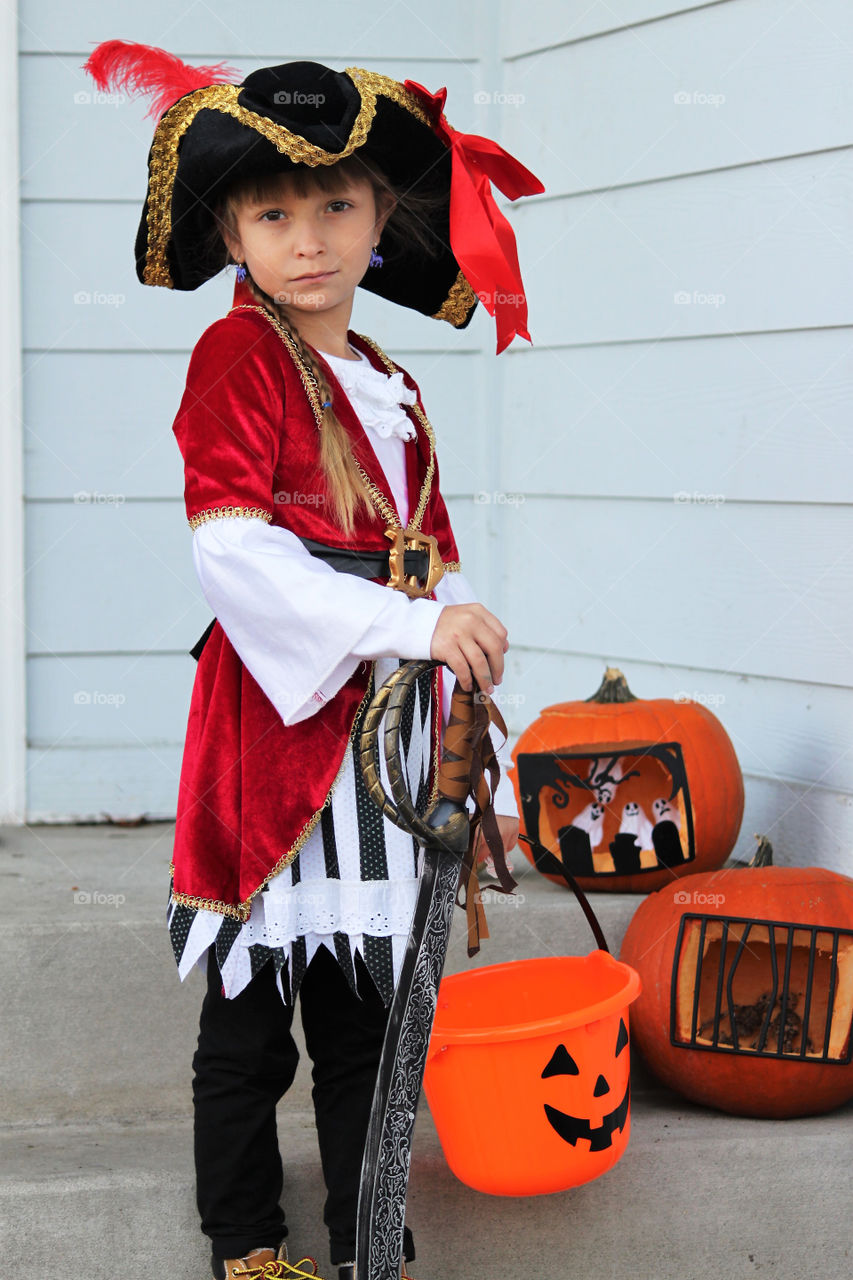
point(309, 252)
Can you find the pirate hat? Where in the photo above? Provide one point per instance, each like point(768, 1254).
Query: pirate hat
point(214, 129)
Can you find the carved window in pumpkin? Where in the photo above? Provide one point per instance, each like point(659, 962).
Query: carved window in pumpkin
point(610, 809)
point(764, 988)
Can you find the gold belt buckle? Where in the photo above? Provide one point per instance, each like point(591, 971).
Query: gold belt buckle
point(404, 540)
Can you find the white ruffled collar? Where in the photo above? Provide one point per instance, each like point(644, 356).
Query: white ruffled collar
point(377, 397)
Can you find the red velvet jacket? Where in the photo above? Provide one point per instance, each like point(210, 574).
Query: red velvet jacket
point(251, 789)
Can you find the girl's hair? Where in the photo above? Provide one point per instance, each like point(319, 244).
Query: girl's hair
point(407, 225)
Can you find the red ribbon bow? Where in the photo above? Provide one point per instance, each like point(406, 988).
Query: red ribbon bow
point(482, 240)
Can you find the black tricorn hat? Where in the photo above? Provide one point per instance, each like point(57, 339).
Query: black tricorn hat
point(212, 132)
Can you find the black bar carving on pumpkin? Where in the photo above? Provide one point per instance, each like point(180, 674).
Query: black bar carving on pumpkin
point(763, 988)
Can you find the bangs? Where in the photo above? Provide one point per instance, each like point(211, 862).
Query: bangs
point(303, 179)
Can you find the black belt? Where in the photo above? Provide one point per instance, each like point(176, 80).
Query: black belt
point(364, 564)
point(367, 564)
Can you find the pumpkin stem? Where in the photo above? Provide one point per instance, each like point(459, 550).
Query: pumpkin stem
point(763, 856)
point(613, 688)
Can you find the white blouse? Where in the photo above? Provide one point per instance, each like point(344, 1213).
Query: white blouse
point(299, 626)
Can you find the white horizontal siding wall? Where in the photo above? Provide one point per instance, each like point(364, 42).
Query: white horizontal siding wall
point(668, 481)
point(677, 448)
point(113, 604)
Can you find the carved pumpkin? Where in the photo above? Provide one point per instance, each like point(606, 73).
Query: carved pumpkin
point(747, 987)
point(627, 793)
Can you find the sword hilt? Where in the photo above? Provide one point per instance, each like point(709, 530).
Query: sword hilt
point(448, 818)
point(446, 822)
point(454, 775)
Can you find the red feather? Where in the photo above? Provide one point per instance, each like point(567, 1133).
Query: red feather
point(143, 68)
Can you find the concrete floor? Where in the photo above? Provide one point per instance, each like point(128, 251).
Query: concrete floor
point(95, 1056)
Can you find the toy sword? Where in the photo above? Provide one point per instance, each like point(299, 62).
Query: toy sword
point(447, 832)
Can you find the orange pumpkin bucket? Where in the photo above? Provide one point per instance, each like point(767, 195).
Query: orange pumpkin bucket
point(551, 1038)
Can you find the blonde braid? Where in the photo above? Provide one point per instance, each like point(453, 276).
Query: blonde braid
point(344, 484)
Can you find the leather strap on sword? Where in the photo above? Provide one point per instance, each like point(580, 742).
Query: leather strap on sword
point(468, 753)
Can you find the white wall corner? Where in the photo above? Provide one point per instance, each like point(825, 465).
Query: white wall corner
point(13, 719)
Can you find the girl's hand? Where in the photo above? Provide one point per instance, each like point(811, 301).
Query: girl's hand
point(470, 640)
point(508, 828)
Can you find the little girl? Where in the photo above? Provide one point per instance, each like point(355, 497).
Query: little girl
point(306, 453)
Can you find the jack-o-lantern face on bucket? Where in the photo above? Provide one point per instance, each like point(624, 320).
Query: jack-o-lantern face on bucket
point(600, 1120)
point(551, 1037)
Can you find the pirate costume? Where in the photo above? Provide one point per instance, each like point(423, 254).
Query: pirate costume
point(286, 877)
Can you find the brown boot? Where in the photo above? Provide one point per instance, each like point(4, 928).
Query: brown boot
point(253, 1263)
point(264, 1264)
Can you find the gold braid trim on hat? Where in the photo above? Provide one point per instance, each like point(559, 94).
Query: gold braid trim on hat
point(374, 83)
point(223, 97)
point(458, 302)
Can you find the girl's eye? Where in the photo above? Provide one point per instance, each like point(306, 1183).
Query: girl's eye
point(276, 215)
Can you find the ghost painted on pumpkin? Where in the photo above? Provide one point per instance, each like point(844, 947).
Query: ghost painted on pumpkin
point(633, 839)
point(581, 838)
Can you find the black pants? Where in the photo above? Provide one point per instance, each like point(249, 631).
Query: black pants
point(245, 1061)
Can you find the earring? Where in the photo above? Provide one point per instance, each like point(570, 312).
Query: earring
point(376, 259)
point(241, 271)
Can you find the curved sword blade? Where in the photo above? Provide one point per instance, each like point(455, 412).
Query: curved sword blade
point(388, 1149)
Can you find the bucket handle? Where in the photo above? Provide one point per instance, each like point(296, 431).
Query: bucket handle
point(546, 862)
